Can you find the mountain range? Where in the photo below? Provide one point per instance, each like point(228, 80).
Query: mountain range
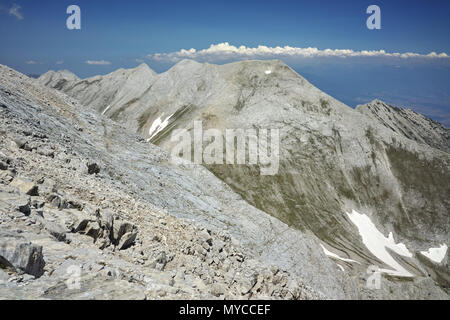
point(356, 189)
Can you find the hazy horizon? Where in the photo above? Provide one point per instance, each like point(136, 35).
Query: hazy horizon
point(405, 63)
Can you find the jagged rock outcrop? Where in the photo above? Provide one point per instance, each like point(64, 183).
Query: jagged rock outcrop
point(408, 123)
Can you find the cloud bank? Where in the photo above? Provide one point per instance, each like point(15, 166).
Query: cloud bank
point(98, 62)
point(225, 51)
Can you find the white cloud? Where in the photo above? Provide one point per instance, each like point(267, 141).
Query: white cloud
point(30, 62)
point(225, 51)
point(14, 11)
point(98, 62)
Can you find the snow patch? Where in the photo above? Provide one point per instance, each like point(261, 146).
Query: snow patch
point(268, 72)
point(436, 254)
point(333, 255)
point(106, 109)
point(157, 126)
point(377, 244)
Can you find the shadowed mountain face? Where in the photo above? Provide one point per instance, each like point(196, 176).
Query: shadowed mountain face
point(390, 165)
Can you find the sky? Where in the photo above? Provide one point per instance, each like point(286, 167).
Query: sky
point(405, 63)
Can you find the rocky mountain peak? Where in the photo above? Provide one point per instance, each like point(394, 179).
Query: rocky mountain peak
point(143, 67)
point(185, 66)
point(58, 79)
point(408, 123)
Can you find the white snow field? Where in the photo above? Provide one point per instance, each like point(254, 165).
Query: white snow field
point(436, 254)
point(377, 244)
point(157, 126)
point(333, 255)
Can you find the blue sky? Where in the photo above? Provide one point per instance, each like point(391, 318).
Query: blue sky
point(122, 33)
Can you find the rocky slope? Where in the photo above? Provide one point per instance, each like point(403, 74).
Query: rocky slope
point(333, 160)
point(408, 123)
point(80, 195)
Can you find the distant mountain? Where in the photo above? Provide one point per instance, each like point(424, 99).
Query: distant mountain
point(59, 80)
point(107, 94)
point(342, 171)
point(408, 123)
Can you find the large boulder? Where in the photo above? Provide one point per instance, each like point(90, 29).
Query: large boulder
point(15, 202)
point(25, 186)
point(127, 240)
point(20, 255)
point(71, 220)
point(121, 228)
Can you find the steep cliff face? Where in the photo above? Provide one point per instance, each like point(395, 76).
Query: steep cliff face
point(334, 161)
point(408, 123)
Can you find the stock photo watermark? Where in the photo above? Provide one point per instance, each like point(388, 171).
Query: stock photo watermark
point(259, 147)
point(373, 281)
point(73, 281)
point(73, 22)
point(374, 20)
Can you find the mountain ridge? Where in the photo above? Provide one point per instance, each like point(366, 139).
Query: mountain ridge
point(334, 159)
point(188, 222)
point(408, 123)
